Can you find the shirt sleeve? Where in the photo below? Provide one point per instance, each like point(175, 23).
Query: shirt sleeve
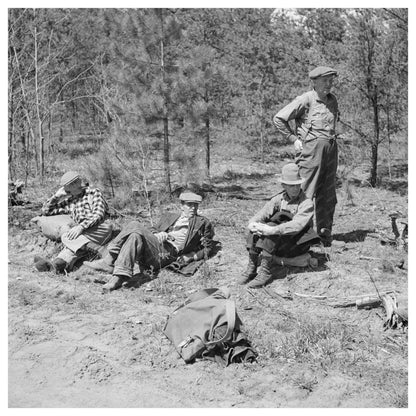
point(294, 110)
point(99, 210)
point(300, 220)
point(268, 210)
point(55, 206)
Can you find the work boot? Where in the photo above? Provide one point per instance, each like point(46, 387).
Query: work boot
point(326, 237)
point(44, 265)
point(251, 270)
point(59, 265)
point(263, 274)
point(103, 265)
point(114, 283)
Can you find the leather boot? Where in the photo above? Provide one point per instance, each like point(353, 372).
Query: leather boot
point(263, 274)
point(60, 265)
point(43, 265)
point(251, 270)
point(326, 237)
point(114, 283)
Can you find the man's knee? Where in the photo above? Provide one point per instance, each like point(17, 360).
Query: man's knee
point(267, 245)
point(135, 227)
point(134, 236)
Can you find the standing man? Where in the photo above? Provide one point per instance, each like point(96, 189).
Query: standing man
point(283, 227)
point(88, 208)
point(315, 114)
point(183, 236)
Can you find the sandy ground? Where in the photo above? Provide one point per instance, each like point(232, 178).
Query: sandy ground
point(70, 345)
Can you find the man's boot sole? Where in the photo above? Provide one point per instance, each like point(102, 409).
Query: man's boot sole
point(253, 284)
point(247, 279)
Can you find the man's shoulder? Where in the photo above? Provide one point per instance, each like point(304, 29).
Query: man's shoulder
point(166, 215)
point(278, 197)
point(92, 190)
point(303, 198)
point(308, 96)
point(203, 219)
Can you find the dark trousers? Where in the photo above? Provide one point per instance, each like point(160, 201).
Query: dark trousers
point(137, 244)
point(318, 165)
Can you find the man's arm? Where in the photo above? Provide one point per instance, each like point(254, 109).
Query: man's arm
point(267, 211)
point(57, 204)
point(300, 220)
point(206, 242)
point(294, 110)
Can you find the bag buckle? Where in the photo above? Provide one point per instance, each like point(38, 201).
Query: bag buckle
point(185, 342)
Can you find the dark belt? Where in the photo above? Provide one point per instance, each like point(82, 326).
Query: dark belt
point(329, 139)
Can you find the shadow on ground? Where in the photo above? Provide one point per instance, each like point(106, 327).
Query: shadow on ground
point(279, 272)
point(353, 236)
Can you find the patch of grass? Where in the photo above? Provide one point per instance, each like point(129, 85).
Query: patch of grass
point(305, 381)
point(320, 342)
point(25, 299)
point(400, 400)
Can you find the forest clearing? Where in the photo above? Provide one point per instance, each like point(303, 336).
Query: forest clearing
point(147, 103)
point(72, 346)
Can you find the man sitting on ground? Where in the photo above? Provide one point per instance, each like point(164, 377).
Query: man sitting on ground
point(183, 237)
point(283, 227)
point(88, 208)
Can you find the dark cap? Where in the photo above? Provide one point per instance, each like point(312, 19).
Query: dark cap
point(190, 197)
point(69, 177)
point(322, 71)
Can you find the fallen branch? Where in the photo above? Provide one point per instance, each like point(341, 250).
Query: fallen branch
point(367, 301)
point(277, 295)
point(369, 258)
point(281, 312)
point(301, 295)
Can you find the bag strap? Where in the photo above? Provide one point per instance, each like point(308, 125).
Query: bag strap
point(230, 311)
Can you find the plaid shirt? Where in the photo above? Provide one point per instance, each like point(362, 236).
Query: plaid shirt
point(87, 210)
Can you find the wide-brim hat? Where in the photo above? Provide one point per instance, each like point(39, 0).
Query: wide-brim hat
point(290, 175)
point(322, 71)
point(69, 177)
point(190, 197)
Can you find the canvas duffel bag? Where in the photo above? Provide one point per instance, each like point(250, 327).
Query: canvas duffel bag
point(54, 226)
point(192, 327)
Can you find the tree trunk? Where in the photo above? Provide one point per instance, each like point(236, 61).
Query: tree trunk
point(376, 140)
point(166, 154)
point(261, 142)
point(374, 160)
point(207, 151)
point(10, 136)
point(39, 121)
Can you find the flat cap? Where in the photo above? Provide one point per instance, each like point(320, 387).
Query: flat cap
point(69, 177)
point(322, 71)
point(190, 197)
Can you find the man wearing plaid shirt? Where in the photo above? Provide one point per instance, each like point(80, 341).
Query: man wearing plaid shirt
point(88, 208)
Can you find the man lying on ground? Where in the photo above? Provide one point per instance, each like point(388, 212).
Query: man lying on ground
point(183, 237)
point(283, 227)
point(88, 208)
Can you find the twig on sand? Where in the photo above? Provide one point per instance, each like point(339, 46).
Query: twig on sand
point(278, 310)
point(276, 295)
point(369, 258)
point(318, 297)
